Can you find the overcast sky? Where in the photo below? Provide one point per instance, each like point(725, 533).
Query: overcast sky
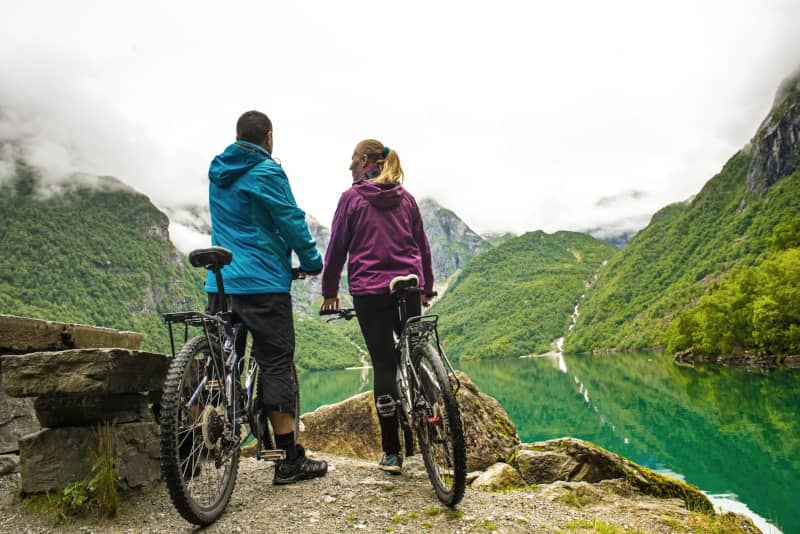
point(516, 115)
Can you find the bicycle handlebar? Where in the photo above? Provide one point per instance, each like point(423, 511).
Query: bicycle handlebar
point(342, 313)
point(299, 274)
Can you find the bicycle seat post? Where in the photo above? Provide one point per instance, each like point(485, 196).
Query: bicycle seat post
point(401, 306)
point(223, 302)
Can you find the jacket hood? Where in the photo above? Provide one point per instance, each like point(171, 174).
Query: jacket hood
point(237, 159)
point(382, 196)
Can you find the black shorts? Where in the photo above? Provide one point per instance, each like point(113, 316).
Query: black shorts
point(268, 318)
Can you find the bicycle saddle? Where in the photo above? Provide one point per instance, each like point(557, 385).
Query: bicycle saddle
point(399, 283)
point(211, 258)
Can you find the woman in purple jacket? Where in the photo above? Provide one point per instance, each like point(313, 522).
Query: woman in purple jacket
point(378, 229)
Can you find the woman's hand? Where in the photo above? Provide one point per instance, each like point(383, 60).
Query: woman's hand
point(330, 304)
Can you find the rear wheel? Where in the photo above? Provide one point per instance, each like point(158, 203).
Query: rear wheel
point(437, 422)
point(198, 461)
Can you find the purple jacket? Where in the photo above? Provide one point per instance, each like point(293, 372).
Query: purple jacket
point(380, 227)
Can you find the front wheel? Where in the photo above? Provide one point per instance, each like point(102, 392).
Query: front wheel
point(199, 461)
point(437, 421)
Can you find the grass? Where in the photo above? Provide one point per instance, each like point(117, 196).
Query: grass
point(485, 525)
point(510, 489)
point(571, 498)
point(713, 524)
point(455, 514)
point(98, 495)
point(596, 525)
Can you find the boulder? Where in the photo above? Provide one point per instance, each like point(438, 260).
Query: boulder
point(87, 410)
point(9, 463)
point(490, 435)
point(498, 477)
point(83, 371)
point(350, 428)
point(347, 428)
point(17, 419)
point(791, 361)
point(573, 460)
point(55, 457)
point(544, 467)
point(20, 335)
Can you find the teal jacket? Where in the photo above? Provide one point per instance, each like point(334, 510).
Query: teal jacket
point(255, 216)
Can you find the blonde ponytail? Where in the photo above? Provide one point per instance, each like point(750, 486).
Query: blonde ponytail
point(385, 157)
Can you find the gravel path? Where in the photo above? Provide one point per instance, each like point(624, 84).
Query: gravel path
point(356, 497)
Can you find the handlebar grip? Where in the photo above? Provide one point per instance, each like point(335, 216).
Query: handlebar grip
point(329, 312)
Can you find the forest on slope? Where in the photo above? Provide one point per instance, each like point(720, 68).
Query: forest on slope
point(517, 299)
point(97, 252)
point(717, 272)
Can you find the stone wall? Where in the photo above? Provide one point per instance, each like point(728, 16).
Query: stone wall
point(58, 383)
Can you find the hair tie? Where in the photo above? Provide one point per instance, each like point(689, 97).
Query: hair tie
point(385, 151)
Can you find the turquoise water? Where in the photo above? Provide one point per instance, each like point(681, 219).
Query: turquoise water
point(735, 434)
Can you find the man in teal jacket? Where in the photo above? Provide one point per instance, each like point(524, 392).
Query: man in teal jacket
point(254, 214)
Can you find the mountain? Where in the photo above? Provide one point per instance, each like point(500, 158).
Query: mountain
point(452, 242)
point(517, 299)
point(94, 252)
point(693, 250)
point(98, 252)
point(497, 238)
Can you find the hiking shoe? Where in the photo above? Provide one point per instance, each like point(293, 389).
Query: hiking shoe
point(391, 463)
point(301, 468)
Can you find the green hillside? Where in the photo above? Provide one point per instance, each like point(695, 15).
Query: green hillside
point(691, 249)
point(101, 255)
point(516, 299)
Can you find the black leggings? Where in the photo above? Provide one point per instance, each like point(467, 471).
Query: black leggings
point(380, 320)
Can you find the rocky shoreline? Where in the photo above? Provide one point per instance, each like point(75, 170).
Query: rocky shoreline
point(562, 485)
point(743, 359)
point(355, 496)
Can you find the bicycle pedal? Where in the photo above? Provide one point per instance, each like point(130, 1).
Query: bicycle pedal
point(271, 455)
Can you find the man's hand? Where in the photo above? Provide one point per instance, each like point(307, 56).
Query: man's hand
point(330, 304)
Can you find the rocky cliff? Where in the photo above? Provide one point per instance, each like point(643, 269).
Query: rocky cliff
point(776, 145)
point(453, 243)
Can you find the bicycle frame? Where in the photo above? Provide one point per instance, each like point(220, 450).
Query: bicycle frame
point(221, 322)
point(423, 327)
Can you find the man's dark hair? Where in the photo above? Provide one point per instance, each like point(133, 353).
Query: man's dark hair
point(252, 127)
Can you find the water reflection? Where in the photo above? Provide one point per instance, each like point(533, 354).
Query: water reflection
point(727, 431)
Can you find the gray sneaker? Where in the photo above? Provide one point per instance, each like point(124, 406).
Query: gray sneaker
point(391, 463)
point(302, 468)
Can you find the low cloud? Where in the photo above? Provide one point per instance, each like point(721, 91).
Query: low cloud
point(625, 196)
point(54, 118)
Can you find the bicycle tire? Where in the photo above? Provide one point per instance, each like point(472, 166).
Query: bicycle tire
point(186, 459)
point(439, 431)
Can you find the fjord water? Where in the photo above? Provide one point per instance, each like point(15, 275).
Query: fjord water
point(733, 433)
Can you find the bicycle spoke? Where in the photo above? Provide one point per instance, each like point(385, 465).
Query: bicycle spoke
point(439, 427)
point(200, 478)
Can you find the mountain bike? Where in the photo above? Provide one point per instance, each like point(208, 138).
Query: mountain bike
point(427, 407)
point(211, 389)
